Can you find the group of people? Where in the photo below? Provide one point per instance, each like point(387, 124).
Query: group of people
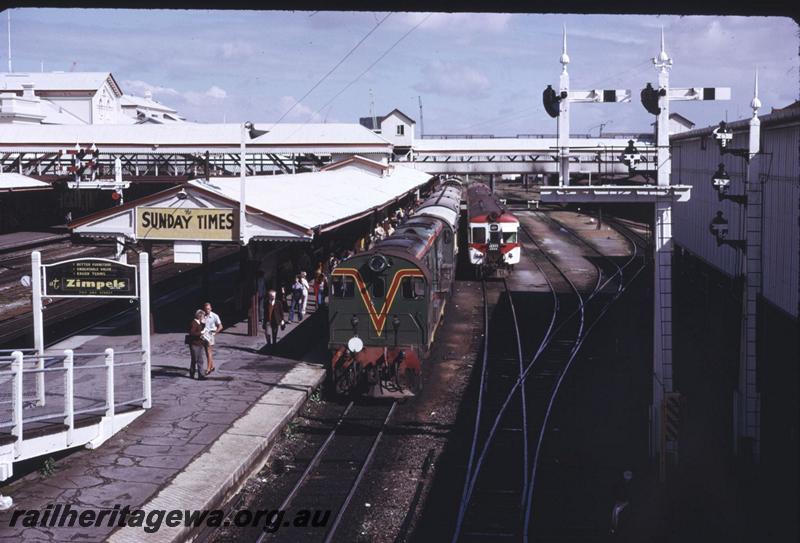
point(205, 325)
point(387, 227)
point(275, 304)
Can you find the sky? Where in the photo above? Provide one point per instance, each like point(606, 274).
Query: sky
point(474, 73)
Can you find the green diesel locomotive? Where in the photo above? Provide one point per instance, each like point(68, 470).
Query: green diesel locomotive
point(386, 303)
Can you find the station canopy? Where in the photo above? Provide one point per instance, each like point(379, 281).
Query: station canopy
point(279, 207)
point(187, 137)
point(15, 182)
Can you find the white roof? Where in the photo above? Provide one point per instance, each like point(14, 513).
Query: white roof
point(54, 114)
point(472, 145)
point(195, 137)
point(128, 100)
point(54, 81)
point(320, 198)
point(15, 181)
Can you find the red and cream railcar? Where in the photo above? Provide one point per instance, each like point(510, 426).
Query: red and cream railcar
point(493, 242)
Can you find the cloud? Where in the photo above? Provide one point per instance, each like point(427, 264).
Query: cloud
point(237, 49)
point(201, 98)
point(194, 98)
point(136, 86)
point(216, 92)
point(460, 23)
point(451, 79)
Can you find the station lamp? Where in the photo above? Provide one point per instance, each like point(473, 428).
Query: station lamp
point(631, 156)
point(723, 135)
point(719, 229)
point(721, 182)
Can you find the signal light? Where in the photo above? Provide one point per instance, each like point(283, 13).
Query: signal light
point(551, 100)
point(115, 195)
point(650, 98)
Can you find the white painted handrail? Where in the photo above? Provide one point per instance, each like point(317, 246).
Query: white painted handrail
point(19, 420)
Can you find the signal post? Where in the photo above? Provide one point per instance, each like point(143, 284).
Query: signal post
point(557, 105)
point(656, 101)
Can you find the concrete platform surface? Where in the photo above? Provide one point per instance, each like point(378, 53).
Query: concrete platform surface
point(197, 442)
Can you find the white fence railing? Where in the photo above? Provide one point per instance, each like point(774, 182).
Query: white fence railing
point(23, 415)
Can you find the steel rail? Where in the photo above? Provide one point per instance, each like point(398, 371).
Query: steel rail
point(572, 233)
point(556, 388)
point(361, 472)
point(522, 390)
point(464, 503)
point(314, 462)
point(481, 387)
point(550, 334)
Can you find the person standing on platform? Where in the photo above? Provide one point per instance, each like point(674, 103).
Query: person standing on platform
point(197, 348)
point(213, 327)
point(297, 298)
point(306, 288)
point(261, 287)
point(273, 312)
point(320, 286)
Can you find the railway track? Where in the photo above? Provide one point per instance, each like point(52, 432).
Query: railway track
point(333, 474)
point(490, 501)
point(571, 320)
point(592, 314)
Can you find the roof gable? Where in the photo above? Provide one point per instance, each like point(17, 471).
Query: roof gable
point(374, 164)
point(59, 81)
point(400, 114)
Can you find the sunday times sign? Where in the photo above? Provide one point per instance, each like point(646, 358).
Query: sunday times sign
point(198, 224)
point(90, 277)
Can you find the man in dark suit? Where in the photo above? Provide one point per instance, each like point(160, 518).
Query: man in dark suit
point(273, 317)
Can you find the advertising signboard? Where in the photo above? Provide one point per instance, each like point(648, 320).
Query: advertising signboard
point(91, 278)
point(197, 224)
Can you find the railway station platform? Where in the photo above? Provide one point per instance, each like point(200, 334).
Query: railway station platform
point(23, 240)
point(200, 439)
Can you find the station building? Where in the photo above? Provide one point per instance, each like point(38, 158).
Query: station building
point(710, 278)
point(66, 98)
point(292, 222)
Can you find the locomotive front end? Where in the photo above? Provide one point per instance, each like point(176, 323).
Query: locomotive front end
point(378, 315)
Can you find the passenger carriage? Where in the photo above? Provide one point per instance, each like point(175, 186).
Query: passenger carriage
point(493, 234)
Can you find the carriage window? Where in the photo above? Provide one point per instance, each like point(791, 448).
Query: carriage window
point(378, 287)
point(509, 237)
point(494, 237)
point(478, 235)
point(343, 287)
point(413, 288)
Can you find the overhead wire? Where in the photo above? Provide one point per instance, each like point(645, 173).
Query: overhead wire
point(389, 50)
point(324, 77)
